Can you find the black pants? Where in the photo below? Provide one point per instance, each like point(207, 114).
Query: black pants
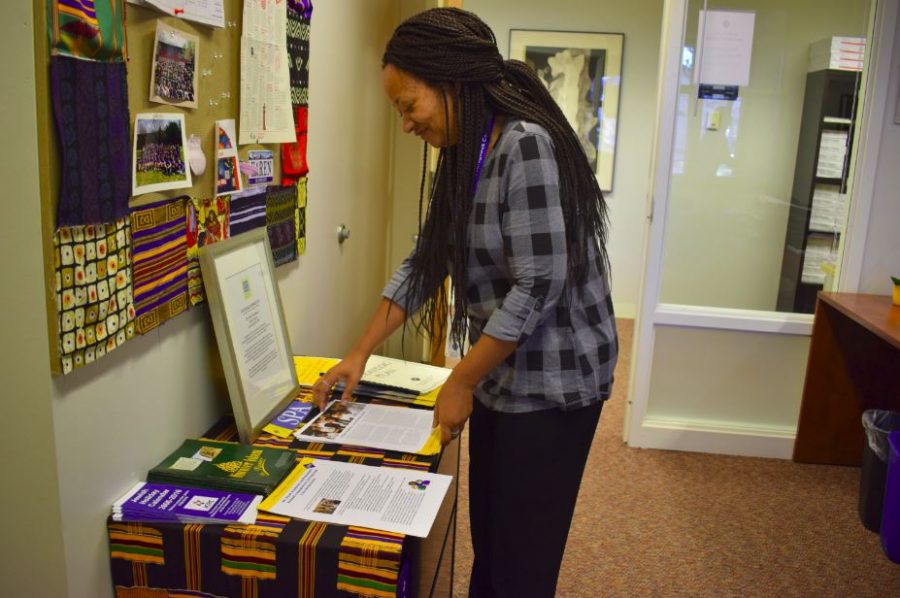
point(524, 474)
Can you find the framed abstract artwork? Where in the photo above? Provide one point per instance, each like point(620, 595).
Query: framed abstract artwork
point(583, 72)
point(238, 275)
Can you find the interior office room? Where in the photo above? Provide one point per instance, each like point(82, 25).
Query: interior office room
point(691, 488)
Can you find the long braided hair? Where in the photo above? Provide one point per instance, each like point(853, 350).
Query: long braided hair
point(452, 48)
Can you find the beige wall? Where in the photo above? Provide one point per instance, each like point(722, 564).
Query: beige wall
point(640, 21)
point(406, 171)
point(727, 378)
point(32, 559)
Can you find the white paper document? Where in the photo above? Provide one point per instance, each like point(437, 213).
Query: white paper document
point(403, 375)
point(374, 426)
point(252, 327)
point(266, 115)
point(394, 500)
point(206, 12)
point(724, 47)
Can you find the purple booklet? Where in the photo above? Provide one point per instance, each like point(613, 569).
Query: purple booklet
point(166, 502)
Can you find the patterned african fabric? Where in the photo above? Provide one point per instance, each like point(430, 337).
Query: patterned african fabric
point(277, 557)
point(207, 222)
point(248, 211)
point(293, 155)
point(281, 205)
point(90, 110)
point(95, 309)
point(300, 216)
point(298, 27)
point(304, 7)
point(87, 29)
point(159, 244)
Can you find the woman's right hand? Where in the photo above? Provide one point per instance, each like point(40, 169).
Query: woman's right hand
point(348, 371)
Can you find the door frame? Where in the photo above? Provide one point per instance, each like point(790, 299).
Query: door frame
point(775, 442)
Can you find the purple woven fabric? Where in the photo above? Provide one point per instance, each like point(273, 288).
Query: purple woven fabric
point(90, 108)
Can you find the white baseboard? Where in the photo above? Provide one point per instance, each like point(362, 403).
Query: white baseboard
point(773, 442)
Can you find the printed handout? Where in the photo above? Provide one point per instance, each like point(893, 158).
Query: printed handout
point(384, 427)
point(394, 500)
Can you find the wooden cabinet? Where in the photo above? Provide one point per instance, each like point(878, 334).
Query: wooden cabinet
point(816, 216)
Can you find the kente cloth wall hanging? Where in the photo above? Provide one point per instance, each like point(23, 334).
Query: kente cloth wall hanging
point(159, 244)
point(293, 155)
point(87, 29)
point(95, 309)
point(90, 109)
point(207, 222)
point(298, 28)
point(248, 211)
point(300, 218)
point(281, 205)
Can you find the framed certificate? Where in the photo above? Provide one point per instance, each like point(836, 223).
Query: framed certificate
point(238, 275)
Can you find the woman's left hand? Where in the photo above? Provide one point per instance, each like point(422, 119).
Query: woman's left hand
point(452, 408)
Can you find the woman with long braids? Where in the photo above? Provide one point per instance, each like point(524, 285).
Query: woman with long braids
point(515, 217)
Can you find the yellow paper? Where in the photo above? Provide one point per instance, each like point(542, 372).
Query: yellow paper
point(433, 444)
point(310, 368)
point(286, 484)
point(277, 430)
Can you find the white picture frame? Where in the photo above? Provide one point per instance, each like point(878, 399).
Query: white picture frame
point(245, 306)
point(583, 72)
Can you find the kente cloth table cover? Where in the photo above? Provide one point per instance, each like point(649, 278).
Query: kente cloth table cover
point(277, 557)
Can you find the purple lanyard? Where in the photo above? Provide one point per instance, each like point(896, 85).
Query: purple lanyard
point(485, 139)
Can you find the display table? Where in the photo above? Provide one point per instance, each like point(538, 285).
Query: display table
point(854, 365)
point(280, 557)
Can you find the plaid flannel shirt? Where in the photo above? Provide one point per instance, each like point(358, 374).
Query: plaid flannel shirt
point(517, 291)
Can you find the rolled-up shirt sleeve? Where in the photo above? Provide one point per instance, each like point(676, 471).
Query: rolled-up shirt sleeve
point(397, 288)
point(534, 240)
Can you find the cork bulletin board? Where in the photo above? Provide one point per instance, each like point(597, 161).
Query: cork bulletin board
point(218, 97)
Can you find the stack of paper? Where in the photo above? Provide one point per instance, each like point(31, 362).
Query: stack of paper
point(832, 154)
point(839, 52)
point(819, 250)
point(384, 378)
point(149, 502)
point(827, 208)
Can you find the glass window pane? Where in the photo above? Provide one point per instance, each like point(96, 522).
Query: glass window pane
point(759, 192)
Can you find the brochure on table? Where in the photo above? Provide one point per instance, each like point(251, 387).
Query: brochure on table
point(394, 500)
point(375, 426)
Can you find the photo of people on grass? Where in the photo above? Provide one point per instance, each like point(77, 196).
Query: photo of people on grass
point(159, 153)
point(173, 78)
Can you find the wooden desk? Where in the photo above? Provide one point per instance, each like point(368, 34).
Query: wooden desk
point(854, 365)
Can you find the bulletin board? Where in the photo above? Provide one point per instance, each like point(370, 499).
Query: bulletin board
point(218, 97)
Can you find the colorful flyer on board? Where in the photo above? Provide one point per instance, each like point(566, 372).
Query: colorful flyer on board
point(263, 164)
point(228, 177)
point(158, 156)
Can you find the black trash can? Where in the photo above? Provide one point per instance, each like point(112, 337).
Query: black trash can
point(877, 423)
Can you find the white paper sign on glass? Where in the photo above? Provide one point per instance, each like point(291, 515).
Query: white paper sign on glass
point(249, 324)
point(725, 45)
